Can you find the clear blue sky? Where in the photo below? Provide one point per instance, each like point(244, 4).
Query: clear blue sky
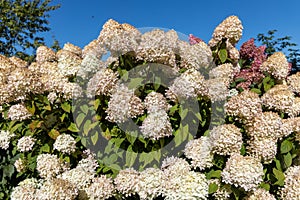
point(80, 21)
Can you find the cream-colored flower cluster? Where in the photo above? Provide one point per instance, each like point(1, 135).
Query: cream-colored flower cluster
point(231, 28)
point(123, 104)
point(260, 193)
point(293, 81)
point(226, 139)
point(200, 152)
point(65, 143)
point(18, 112)
point(189, 84)
point(244, 106)
point(277, 65)
point(26, 143)
point(291, 188)
point(243, 171)
point(5, 137)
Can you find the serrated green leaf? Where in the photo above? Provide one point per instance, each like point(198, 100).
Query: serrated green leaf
point(223, 55)
point(73, 128)
point(66, 106)
point(213, 187)
point(286, 146)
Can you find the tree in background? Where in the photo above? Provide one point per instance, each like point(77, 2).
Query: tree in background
point(20, 22)
point(284, 44)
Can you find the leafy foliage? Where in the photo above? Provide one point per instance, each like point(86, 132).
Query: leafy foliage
point(21, 22)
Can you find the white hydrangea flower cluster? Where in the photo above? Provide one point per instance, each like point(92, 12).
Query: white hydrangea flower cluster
point(127, 182)
point(56, 188)
point(100, 188)
point(189, 84)
point(123, 104)
point(277, 65)
point(119, 38)
point(5, 137)
point(217, 89)
point(181, 183)
point(20, 164)
point(49, 166)
point(231, 28)
point(226, 139)
point(291, 188)
point(155, 101)
point(280, 98)
point(259, 193)
point(26, 189)
point(18, 112)
point(65, 143)
point(26, 143)
point(293, 81)
point(156, 125)
point(243, 171)
point(200, 152)
point(197, 56)
point(150, 183)
point(68, 62)
point(104, 82)
point(158, 46)
point(244, 106)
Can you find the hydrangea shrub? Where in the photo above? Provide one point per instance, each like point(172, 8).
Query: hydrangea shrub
point(137, 115)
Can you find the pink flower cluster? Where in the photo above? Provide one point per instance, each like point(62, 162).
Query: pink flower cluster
point(257, 56)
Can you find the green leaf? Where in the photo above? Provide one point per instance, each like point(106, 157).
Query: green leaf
point(135, 83)
point(66, 107)
point(79, 119)
point(279, 176)
point(31, 108)
point(45, 148)
point(213, 187)
point(97, 104)
point(278, 164)
point(131, 137)
point(257, 91)
point(73, 128)
point(266, 186)
point(213, 174)
point(130, 157)
point(84, 108)
point(223, 55)
point(86, 127)
point(287, 160)
point(54, 134)
point(94, 138)
point(286, 146)
point(183, 113)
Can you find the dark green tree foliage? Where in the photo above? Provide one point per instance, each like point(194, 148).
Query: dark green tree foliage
point(284, 44)
point(20, 22)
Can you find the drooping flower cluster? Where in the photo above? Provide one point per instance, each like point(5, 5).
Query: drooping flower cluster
point(259, 193)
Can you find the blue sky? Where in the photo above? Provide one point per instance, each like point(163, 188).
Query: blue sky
point(80, 21)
